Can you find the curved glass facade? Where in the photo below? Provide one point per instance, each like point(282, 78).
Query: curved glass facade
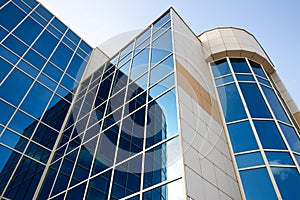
point(264, 142)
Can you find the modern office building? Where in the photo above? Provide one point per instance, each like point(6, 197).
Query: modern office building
point(170, 116)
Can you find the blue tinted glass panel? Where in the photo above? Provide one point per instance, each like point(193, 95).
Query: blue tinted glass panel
point(161, 47)
point(11, 12)
point(98, 186)
point(47, 81)
point(68, 82)
point(59, 25)
point(53, 72)
point(275, 105)
point(72, 36)
point(8, 55)
point(4, 69)
point(83, 45)
point(291, 137)
point(36, 100)
point(297, 158)
point(249, 160)
point(161, 70)
point(279, 158)
point(45, 44)
point(28, 68)
point(142, 37)
point(220, 68)
point(69, 43)
point(162, 20)
point(239, 65)
point(231, 102)
point(54, 31)
point(13, 140)
point(15, 45)
point(35, 59)
point(28, 31)
point(76, 67)
point(139, 64)
point(6, 112)
point(255, 102)
point(241, 136)
point(43, 12)
point(159, 30)
point(269, 135)
point(15, 87)
point(288, 180)
point(162, 86)
point(38, 18)
point(61, 56)
point(244, 77)
point(257, 69)
point(257, 184)
point(263, 81)
point(3, 33)
point(224, 80)
point(77, 192)
point(21, 122)
point(31, 3)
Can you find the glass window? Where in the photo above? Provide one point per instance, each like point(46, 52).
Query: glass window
point(161, 47)
point(13, 140)
point(249, 160)
point(11, 12)
point(239, 65)
point(69, 43)
point(22, 123)
point(35, 59)
point(3, 33)
point(297, 158)
point(162, 163)
point(59, 25)
point(54, 31)
point(15, 87)
point(128, 49)
point(28, 68)
point(231, 102)
point(220, 68)
point(47, 81)
point(158, 31)
point(162, 20)
point(224, 80)
point(52, 71)
point(8, 55)
point(36, 100)
point(161, 70)
point(139, 64)
point(279, 158)
point(257, 184)
point(288, 180)
point(257, 69)
point(241, 136)
point(269, 135)
point(83, 45)
point(244, 77)
point(45, 136)
point(61, 56)
point(72, 36)
point(255, 102)
point(28, 31)
point(291, 137)
point(4, 69)
point(127, 177)
point(68, 82)
point(76, 192)
point(162, 118)
point(173, 190)
point(37, 152)
point(6, 112)
point(162, 86)
point(43, 12)
point(275, 105)
point(15, 45)
point(99, 186)
point(38, 18)
point(45, 44)
point(263, 81)
point(76, 67)
point(106, 149)
point(142, 37)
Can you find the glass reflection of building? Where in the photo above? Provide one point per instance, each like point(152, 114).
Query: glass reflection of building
point(169, 116)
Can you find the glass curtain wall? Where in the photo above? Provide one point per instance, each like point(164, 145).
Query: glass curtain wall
point(41, 64)
point(121, 137)
point(264, 141)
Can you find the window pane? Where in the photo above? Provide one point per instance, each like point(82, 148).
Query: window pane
point(224, 80)
point(61, 56)
point(257, 184)
point(6, 112)
point(98, 186)
point(76, 192)
point(255, 102)
point(291, 137)
point(257, 69)
point(239, 65)
point(220, 68)
point(15, 45)
point(162, 20)
point(162, 86)
point(288, 181)
point(36, 100)
point(4, 69)
point(28, 30)
point(249, 160)
point(269, 135)
point(76, 67)
point(244, 77)
point(275, 104)
point(241, 136)
point(279, 158)
point(35, 59)
point(161, 47)
point(161, 70)
point(13, 140)
point(21, 123)
point(11, 12)
point(139, 64)
point(231, 102)
point(15, 87)
point(45, 44)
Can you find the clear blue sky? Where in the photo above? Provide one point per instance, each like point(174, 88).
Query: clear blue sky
point(275, 23)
